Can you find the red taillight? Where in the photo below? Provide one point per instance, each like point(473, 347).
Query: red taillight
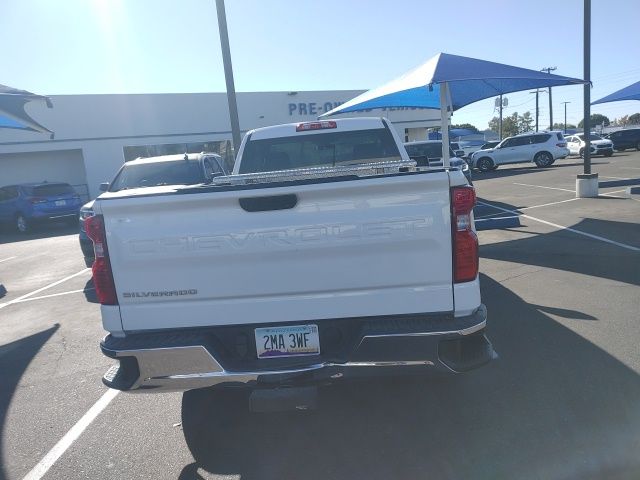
point(562, 144)
point(303, 127)
point(465, 241)
point(102, 276)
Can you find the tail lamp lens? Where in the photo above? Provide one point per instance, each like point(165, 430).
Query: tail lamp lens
point(465, 240)
point(102, 274)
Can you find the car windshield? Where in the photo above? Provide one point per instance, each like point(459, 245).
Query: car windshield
point(593, 136)
point(50, 190)
point(316, 150)
point(178, 172)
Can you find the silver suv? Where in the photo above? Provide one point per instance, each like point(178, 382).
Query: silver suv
point(541, 148)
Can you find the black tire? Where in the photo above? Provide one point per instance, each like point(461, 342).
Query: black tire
point(609, 153)
point(543, 159)
point(210, 417)
point(581, 153)
point(22, 224)
point(495, 167)
point(638, 146)
point(620, 149)
point(485, 164)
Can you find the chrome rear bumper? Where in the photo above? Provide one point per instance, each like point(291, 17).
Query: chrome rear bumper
point(184, 367)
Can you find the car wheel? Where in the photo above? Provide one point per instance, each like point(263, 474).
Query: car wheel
point(638, 146)
point(620, 149)
point(22, 224)
point(485, 164)
point(495, 167)
point(581, 153)
point(543, 159)
point(609, 153)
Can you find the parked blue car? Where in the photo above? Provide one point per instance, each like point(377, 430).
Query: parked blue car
point(27, 204)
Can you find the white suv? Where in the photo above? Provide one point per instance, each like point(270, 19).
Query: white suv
point(599, 145)
point(541, 148)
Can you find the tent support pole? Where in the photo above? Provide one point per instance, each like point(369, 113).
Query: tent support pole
point(444, 119)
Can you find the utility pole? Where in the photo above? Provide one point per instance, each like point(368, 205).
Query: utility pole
point(537, 108)
point(587, 182)
point(565, 116)
point(228, 75)
point(549, 70)
point(587, 86)
point(500, 133)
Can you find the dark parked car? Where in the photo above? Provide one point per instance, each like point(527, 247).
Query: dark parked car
point(623, 139)
point(27, 204)
point(185, 169)
point(429, 153)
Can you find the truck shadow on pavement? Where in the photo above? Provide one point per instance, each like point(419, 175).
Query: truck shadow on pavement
point(563, 250)
point(554, 405)
point(15, 357)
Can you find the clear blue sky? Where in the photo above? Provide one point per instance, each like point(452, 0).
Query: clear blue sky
point(154, 46)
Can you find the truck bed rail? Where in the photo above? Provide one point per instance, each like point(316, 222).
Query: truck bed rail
point(359, 170)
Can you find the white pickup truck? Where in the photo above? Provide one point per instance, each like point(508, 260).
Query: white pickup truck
point(326, 255)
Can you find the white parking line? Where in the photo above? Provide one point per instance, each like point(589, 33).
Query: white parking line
point(555, 225)
point(528, 208)
point(548, 188)
point(496, 218)
point(551, 203)
point(30, 294)
point(71, 436)
point(610, 193)
point(30, 299)
point(616, 178)
point(5, 259)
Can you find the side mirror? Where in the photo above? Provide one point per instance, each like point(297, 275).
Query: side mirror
point(459, 153)
point(104, 186)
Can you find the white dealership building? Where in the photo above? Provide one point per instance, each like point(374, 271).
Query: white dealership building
point(95, 134)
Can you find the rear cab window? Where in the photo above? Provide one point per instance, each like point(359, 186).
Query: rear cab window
point(317, 150)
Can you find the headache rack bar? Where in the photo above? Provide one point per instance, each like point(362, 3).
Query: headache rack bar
point(359, 170)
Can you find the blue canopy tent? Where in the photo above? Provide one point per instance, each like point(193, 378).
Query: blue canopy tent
point(450, 82)
point(12, 113)
point(632, 92)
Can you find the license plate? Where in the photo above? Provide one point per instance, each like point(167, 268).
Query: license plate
point(289, 341)
point(60, 203)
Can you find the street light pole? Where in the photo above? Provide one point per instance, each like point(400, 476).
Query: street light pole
point(565, 116)
point(228, 75)
point(587, 86)
point(587, 182)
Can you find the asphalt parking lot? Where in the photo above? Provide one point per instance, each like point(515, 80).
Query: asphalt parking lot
point(560, 279)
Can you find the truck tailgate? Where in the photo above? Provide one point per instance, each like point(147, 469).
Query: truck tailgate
point(363, 247)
